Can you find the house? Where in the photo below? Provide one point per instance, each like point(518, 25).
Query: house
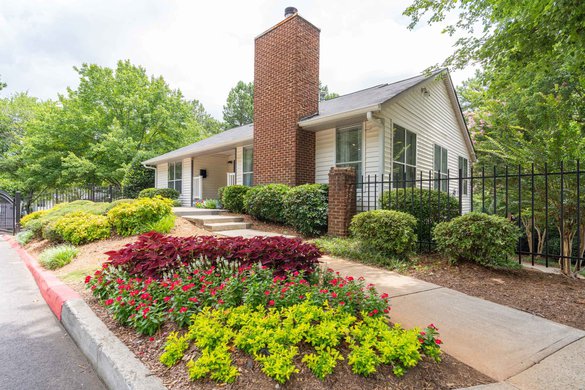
point(400, 129)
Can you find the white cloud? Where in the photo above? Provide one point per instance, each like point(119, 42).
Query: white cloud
point(204, 48)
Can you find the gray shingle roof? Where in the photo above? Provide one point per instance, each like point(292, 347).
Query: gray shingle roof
point(226, 138)
point(328, 108)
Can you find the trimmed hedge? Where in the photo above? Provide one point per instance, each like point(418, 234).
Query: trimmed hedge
point(266, 202)
point(305, 208)
point(434, 207)
point(137, 217)
point(79, 228)
point(232, 197)
point(387, 231)
point(485, 239)
point(169, 193)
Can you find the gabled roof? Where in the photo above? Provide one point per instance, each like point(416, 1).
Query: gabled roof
point(237, 135)
point(369, 99)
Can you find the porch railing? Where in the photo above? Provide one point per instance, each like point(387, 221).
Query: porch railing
point(231, 178)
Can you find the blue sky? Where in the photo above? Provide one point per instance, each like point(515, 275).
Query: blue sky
point(204, 48)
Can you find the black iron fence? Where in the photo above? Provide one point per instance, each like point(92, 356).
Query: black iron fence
point(546, 202)
point(50, 198)
point(9, 212)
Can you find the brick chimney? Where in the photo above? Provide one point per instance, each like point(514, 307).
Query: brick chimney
point(286, 89)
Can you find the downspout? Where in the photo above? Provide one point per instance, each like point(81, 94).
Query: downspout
point(155, 172)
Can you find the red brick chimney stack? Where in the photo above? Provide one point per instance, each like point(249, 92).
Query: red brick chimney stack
point(286, 89)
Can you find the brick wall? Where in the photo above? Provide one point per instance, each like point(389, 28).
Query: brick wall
point(286, 89)
point(342, 200)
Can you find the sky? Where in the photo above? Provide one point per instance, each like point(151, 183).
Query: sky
point(205, 48)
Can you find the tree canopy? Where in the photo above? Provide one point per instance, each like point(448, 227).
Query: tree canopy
point(239, 107)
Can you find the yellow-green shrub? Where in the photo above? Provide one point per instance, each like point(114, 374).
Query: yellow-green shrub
point(138, 216)
point(24, 221)
point(80, 228)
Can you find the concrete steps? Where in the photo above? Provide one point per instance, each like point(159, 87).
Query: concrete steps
point(218, 227)
point(194, 212)
point(207, 219)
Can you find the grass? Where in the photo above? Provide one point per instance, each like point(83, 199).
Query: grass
point(78, 275)
point(57, 256)
point(24, 237)
point(351, 249)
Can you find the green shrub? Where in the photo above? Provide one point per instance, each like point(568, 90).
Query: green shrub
point(207, 204)
point(137, 177)
point(35, 226)
point(24, 237)
point(305, 208)
point(57, 256)
point(79, 228)
point(169, 193)
point(429, 207)
point(48, 231)
point(163, 225)
point(389, 231)
point(138, 216)
point(117, 202)
point(34, 216)
point(488, 240)
point(232, 198)
point(266, 202)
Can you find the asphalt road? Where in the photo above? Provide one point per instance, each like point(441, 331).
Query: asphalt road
point(35, 351)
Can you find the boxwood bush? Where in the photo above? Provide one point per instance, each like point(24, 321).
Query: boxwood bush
point(305, 208)
point(169, 193)
point(137, 217)
point(232, 197)
point(429, 207)
point(390, 232)
point(79, 228)
point(488, 240)
point(266, 202)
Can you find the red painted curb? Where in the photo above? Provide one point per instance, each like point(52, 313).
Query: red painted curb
point(53, 290)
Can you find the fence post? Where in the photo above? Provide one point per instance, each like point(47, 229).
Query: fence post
point(16, 219)
point(111, 193)
point(460, 192)
point(342, 200)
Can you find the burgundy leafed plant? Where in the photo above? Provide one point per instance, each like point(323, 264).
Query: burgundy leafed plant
point(154, 253)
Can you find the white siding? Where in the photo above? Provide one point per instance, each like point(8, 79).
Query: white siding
point(162, 175)
point(239, 165)
point(186, 184)
point(433, 119)
point(324, 154)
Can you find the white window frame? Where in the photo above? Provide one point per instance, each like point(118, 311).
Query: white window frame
point(244, 172)
point(443, 173)
point(464, 172)
point(173, 182)
point(404, 164)
point(361, 162)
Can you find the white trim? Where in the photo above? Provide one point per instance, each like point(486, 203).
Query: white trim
point(320, 120)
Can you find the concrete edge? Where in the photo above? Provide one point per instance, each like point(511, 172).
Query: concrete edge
point(114, 363)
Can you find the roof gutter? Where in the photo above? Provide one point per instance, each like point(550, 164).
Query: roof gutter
point(321, 120)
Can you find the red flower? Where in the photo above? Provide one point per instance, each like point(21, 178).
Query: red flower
point(384, 296)
point(87, 279)
point(334, 294)
point(341, 303)
point(151, 339)
point(108, 302)
point(183, 309)
point(220, 301)
point(438, 341)
point(166, 299)
point(271, 302)
point(266, 292)
point(193, 299)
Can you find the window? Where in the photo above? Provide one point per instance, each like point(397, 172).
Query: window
point(463, 165)
point(176, 176)
point(441, 167)
point(348, 148)
point(404, 158)
point(248, 166)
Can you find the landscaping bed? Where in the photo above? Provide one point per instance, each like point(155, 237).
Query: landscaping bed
point(551, 296)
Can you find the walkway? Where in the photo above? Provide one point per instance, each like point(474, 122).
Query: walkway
point(519, 349)
point(35, 351)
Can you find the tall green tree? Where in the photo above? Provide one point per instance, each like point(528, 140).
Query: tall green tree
point(239, 107)
point(324, 93)
point(208, 122)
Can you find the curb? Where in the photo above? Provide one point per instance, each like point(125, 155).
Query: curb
point(114, 363)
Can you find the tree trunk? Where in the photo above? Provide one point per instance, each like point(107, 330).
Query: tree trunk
point(566, 252)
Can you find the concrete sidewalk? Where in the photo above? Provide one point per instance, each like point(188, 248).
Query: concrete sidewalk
point(518, 349)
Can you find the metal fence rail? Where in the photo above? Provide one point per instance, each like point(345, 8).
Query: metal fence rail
point(49, 199)
point(546, 204)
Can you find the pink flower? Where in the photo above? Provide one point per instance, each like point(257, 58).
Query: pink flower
point(166, 299)
point(271, 302)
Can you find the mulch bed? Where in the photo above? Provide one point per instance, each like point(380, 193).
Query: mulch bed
point(449, 374)
point(551, 296)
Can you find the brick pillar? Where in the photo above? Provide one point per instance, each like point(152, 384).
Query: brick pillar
point(342, 200)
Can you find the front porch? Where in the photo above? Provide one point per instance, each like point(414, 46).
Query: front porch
point(211, 172)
